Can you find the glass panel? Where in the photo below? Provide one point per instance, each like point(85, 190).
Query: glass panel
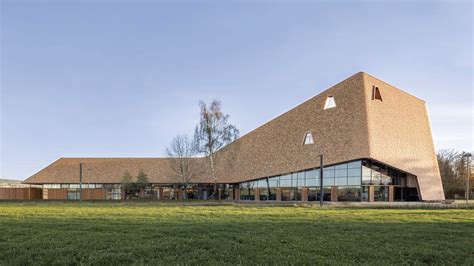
point(375, 179)
point(353, 180)
point(386, 180)
point(265, 194)
point(313, 194)
point(290, 194)
point(342, 181)
point(262, 183)
point(116, 194)
point(247, 194)
point(341, 172)
point(353, 172)
point(341, 166)
point(294, 178)
point(273, 182)
point(366, 180)
point(328, 173)
point(380, 193)
point(72, 195)
point(366, 171)
point(287, 194)
point(312, 173)
point(365, 193)
point(349, 194)
point(285, 183)
point(301, 178)
point(312, 182)
point(356, 164)
point(328, 181)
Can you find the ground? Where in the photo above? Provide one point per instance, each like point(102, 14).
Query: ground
point(147, 233)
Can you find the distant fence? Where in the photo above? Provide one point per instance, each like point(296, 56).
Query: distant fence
point(64, 194)
point(20, 193)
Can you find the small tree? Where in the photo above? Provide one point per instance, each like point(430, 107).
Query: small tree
point(212, 133)
point(128, 185)
point(181, 161)
point(142, 181)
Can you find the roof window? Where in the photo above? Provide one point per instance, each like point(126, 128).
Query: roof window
point(308, 138)
point(330, 102)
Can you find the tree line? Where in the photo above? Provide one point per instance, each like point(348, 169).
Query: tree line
point(454, 169)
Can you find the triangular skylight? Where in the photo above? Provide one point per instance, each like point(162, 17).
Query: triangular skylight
point(330, 102)
point(308, 138)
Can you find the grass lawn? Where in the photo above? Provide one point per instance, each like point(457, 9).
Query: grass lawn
point(146, 233)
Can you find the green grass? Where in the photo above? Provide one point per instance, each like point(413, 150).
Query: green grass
point(145, 233)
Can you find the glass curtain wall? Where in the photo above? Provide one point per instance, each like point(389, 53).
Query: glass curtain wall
point(346, 176)
point(381, 177)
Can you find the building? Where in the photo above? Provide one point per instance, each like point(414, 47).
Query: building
point(375, 139)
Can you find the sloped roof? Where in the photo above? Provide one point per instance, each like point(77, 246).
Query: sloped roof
point(107, 170)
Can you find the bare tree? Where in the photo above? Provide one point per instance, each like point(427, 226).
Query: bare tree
point(213, 133)
point(453, 170)
point(181, 152)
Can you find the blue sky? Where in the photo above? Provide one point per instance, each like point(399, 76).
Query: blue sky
point(121, 78)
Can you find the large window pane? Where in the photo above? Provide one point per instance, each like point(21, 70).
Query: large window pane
point(273, 182)
point(356, 164)
point(301, 179)
point(289, 194)
point(294, 180)
point(341, 181)
point(313, 194)
point(247, 194)
point(328, 173)
point(386, 180)
point(365, 193)
point(381, 193)
point(285, 182)
point(312, 182)
point(328, 181)
point(262, 183)
point(341, 172)
point(312, 174)
point(353, 172)
point(349, 194)
point(353, 180)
